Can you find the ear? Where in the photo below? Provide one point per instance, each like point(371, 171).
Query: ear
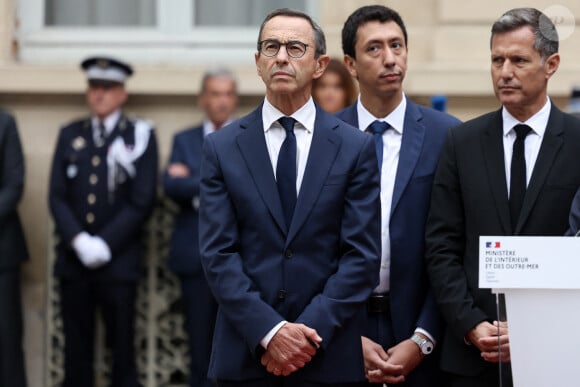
point(256, 58)
point(321, 64)
point(552, 64)
point(350, 62)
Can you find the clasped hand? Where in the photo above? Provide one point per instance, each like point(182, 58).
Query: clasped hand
point(92, 250)
point(290, 349)
point(390, 366)
point(491, 341)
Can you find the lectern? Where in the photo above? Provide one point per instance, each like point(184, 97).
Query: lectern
point(540, 277)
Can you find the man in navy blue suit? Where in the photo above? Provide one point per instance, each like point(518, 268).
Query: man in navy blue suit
point(403, 322)
point(218, 99)
point(575, 215)
point(289, 226)
point(103, 186)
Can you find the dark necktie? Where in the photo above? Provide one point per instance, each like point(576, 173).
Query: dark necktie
point(101, 133)
point(378, 128)
point(518, 173)
point(286, 169)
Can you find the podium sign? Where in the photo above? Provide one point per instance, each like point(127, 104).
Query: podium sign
point(540, 277)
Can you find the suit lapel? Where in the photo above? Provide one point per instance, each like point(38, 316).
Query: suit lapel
point(411, 145)
point(323, 151)
point(253, 147)
point(493, 156)
point(548, 150)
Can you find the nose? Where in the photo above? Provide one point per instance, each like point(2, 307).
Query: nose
point(389, 58)
point(507, 69)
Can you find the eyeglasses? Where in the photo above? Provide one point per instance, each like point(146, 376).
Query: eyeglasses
point(271, 47)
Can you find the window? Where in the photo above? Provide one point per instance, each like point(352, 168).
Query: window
point(145, 31)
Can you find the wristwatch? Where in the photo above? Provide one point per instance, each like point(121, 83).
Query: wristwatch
point(425, 345)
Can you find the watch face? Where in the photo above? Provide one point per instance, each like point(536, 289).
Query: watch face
point(427, 348)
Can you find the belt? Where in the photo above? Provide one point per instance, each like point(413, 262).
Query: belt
point(379, 303)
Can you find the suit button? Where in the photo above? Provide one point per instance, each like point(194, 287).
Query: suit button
point(90, 218)
point(93, 179)
point(91, 199)
point(281, 294)
point(96, 160)
point(288, 253)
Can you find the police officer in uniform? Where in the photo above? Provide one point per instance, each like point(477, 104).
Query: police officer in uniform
point(102, 190)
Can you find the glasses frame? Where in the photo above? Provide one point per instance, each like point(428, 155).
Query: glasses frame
point(280, 44)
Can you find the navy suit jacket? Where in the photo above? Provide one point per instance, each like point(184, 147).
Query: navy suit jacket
point(575, 215)
point(184, 250)
point(470, 199)
point(12, 244)
point(412, 304)
point(119, 217)
point(319, 271)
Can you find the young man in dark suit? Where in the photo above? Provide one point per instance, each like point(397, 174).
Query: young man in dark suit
point(403, 324)
point(13, 252)
point(509, 172)
point(103, 187)
point(289, 226)
point(218, 99)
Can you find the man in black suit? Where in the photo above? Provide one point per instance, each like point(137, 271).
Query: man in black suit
point(509, 172)
point(12, 253)
point(102, 189)
point(218, 99)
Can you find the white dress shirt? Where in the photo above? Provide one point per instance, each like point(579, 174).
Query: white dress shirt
point(275, 135)
point(110, 122)
point(391, 148)
point(538, 122)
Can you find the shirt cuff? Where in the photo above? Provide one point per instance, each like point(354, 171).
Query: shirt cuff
point(424, 332)
point(266, 340)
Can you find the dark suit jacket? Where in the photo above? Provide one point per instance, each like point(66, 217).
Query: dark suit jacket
point(412, 303)
point(184, 251)
point(318, 272)
point(575, 215)
point(470, 199)
point(12, 244)
point(118, 218)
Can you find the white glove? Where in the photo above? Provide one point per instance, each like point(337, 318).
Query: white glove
point(92, 251)
point(101, 250)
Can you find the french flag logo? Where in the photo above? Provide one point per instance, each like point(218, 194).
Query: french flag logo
point(495, 245)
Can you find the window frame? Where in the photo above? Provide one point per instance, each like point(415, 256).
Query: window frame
point(173, 40)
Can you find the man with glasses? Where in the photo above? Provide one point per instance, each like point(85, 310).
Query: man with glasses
point(289, 226)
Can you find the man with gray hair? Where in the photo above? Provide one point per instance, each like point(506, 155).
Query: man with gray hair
point(218, 99)
point(504, 173)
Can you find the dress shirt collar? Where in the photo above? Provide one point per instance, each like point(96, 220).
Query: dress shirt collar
point(110, 121)
point(538, 122)
point(304, 116)
point(209, 127)
point(395, 119)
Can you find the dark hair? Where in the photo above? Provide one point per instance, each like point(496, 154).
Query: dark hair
point(546, 42)
point(319, 39)
point(338, 67)
point(362, 16)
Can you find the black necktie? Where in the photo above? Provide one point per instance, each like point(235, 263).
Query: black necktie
point(518, 173)
point(378, 128)
point(286, 169)
point(101, 133)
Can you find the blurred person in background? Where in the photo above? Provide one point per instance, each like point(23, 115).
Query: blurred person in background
point(335, 89)
point(218, 99)
point(103, 188)
point(13, 252)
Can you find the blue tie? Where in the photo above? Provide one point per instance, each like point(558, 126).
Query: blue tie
point(378, 128)
point(286, 170)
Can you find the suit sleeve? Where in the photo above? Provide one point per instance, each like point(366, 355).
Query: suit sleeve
point(181, 189)
point(12, 172)
point(140, 201)
point(575, 215)
point(64, 217)
point(219, 242)
point(445, 246)
point(358, 271)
